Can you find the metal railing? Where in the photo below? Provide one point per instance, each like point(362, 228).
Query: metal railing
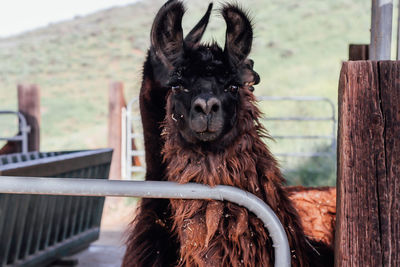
point(136, 137)
point(331, 118)
point(23, 128)
point(148, 189)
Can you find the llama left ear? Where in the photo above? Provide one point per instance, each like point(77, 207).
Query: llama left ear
point(239, 34)
point(166, 33)
point(194, 36)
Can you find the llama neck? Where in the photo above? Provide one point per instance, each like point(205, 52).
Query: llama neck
point(239, 165)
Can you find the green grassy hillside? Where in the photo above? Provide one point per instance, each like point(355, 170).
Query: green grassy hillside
point(298, 50)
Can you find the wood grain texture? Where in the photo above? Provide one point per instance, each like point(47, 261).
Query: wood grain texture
point(29, 106)
point(115, 105)
point(367, 231)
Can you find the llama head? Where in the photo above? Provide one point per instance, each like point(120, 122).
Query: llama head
point(207, 84)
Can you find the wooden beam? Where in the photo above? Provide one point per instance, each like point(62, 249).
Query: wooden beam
point(116, 103)
point(368, 197)
point(398, 31)
point(358, 52)
point(29, 106)
point(381, 29)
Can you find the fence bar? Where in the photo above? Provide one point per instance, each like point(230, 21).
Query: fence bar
point(381, 29)
point(150, 189)
point(24, 130)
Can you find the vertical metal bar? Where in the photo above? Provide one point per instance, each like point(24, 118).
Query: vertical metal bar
point(49, 221)
point(19, 228)
point(5, 244)
point(129, 141)
point(65, 218)
point(82, 212)
point(57, 216)
point(24, 129)
point(4, 200)
point(39, 225)
point(381, 29)
point(74, 218)
point(124, 143)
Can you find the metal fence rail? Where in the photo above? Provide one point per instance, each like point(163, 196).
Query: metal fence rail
point(331, 118)
point(148, 189)
point(24, 129)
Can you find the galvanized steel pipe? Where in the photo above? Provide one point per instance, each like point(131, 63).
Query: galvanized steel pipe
point(150, 189)
point(381, 29)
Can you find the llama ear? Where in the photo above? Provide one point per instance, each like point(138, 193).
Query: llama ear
point(248, 75)
point(166, 32)
point(239, 34)
point(194, 36)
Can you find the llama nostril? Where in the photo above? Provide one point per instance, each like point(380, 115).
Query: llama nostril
point(215, 108)
point(199, 109)
point(213, 105)
point(200, 106)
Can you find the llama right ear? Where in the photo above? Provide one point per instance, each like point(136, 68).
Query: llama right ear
point(167, 34)
point(194, 36)
point(239, 34)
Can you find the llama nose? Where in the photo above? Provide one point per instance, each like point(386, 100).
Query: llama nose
point(212, 105)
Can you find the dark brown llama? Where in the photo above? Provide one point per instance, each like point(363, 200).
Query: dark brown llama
point(199, 99)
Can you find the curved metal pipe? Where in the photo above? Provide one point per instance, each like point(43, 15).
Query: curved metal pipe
point(150, 189)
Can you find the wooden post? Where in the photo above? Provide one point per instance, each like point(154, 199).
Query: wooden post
point(29, 106)
point(368, 197)
point(116, 103)
point(398, 31)
point(381, 29)
point(358, 52)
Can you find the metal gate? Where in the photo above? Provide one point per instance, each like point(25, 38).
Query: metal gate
point(23, 130)
point(134, 132)
point(312, 100)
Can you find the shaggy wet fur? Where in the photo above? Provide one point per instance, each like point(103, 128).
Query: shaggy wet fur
point(201, 232)
point(214, 233)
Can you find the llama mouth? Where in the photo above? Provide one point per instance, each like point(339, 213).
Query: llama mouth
point(207, 136)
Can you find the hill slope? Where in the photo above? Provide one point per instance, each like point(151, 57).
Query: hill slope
point(298, 49)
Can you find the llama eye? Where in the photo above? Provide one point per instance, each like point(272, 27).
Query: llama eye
point(233, 88)
point(176, 88)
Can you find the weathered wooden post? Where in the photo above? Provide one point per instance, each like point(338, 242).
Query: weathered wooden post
point(358, 52)
point(368, 197)
point(116, 103)
point(29, 106)
point(398, 32)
